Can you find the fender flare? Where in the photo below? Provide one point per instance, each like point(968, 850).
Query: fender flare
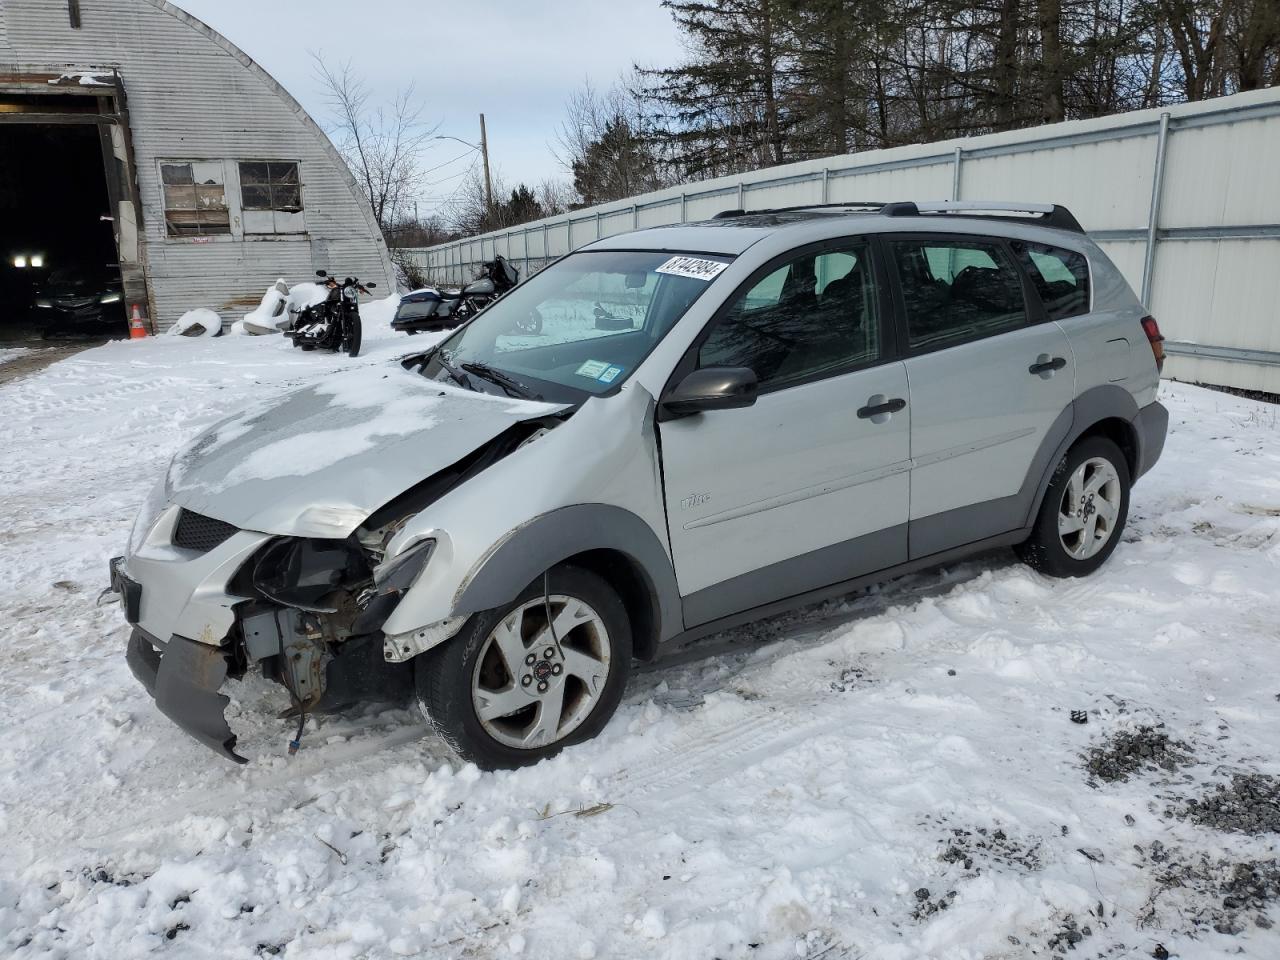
point(1104, 402)
point(553, 537)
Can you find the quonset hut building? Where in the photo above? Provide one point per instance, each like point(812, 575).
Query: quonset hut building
point(132, 134)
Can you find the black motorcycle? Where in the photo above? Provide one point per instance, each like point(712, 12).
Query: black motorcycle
point(433, 309)
point(334, 323)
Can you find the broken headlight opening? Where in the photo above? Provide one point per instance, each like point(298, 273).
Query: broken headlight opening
point(309, 574)
point(313, 628)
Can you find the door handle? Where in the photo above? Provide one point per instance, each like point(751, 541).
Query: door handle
point(1046, 364)
point(873, 410)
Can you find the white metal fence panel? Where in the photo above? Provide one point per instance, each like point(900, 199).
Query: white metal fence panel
point(1185, 200)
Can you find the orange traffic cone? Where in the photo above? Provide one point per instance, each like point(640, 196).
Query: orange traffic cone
point(137, 329)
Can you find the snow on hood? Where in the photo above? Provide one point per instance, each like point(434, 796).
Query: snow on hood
point(321, 459)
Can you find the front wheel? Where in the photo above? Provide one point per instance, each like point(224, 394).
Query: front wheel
point(1083, 513)
point(509, 690)
point(351, 337)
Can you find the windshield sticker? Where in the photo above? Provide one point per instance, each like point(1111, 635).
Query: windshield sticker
point(693, 267)
point(592, 368)
point(609, 375)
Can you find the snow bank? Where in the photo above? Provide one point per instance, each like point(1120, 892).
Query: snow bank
point(892, 775)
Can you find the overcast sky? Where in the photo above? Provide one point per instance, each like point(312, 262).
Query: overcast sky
point(513, 60)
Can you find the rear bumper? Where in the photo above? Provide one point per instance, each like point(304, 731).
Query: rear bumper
point(183, 677)
point(1151, 425)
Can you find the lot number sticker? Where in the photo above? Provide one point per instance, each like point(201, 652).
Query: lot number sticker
point(592, 368)
point(692, 267)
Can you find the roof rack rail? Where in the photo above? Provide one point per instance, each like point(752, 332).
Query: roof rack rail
point(851, 204)
point(1045, 214)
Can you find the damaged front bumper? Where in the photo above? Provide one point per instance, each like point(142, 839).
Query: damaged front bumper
point(184, 679)
point(313, 653)
point(182, 676)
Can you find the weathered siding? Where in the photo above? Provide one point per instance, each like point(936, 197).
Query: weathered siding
point(192, 95)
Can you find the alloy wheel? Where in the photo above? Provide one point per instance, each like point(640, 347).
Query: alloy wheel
point(1089, 508)
point(533, 686)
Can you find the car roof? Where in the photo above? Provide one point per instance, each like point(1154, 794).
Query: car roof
point(733, 231)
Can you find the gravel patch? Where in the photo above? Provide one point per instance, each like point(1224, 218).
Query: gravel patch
point(1249, 804)
point(1227, 896)
point(1123, 754)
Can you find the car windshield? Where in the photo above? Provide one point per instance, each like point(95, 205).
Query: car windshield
point(581, 326)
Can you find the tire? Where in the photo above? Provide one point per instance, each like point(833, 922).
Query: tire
point(452, 679)
point(351, 342)
point(1084, 511)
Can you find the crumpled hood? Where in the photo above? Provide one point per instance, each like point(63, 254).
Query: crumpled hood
point(318, 461)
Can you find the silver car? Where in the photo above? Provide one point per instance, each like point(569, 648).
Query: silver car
point(713, 423)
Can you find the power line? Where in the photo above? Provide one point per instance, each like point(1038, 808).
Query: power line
point(447, 162)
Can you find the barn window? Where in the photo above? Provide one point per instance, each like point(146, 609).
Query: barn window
point(195, 198)
point(271, 196)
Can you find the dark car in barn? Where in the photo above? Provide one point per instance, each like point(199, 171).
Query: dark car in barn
point(81, 301)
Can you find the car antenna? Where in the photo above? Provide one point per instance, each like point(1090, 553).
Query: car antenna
point(546, 602)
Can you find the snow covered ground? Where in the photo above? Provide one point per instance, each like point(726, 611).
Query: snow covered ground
point(894, 775)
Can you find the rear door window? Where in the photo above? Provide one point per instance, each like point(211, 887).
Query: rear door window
point(1061, 277)
point(957, 290)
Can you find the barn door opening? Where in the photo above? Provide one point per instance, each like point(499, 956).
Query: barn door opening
point(60, 268)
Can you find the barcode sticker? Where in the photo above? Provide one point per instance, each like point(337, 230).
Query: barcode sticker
point(694, 267)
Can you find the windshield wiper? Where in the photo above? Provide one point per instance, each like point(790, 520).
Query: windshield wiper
point(460, 378)
point(507, 382)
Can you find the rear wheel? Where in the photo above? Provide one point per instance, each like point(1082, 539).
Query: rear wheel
point(509, 690)
point(1083, 513)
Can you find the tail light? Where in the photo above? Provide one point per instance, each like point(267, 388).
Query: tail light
point(1155, 338)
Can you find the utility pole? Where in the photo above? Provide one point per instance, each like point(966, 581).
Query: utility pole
point(488, 184)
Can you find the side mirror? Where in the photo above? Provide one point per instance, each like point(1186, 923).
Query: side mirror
point(370, 284)
point(321, 273)
point(715, 388)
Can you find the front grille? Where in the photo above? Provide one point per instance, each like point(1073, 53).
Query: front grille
point(195, 531)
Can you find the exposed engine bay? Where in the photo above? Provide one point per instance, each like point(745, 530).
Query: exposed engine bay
point(312, 618)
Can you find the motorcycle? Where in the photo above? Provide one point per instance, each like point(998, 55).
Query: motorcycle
point(433, 309)
point(334, 323)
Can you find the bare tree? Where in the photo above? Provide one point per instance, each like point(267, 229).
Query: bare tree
point(382, 144)
point(555, 196)
point(603, 144)
point(469, 211)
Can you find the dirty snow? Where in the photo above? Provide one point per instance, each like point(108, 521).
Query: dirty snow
point(891, 776)
point(12, 353)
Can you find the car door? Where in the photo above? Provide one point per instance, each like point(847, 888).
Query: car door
point(989, 380)
point(808, 486)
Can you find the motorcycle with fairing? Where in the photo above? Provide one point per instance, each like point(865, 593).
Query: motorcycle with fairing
point(434, 308)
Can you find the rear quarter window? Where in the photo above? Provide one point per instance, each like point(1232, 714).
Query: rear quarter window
point(1061, 277)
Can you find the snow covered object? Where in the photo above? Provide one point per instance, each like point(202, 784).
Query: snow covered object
point(201, 322)
point(279, 308)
